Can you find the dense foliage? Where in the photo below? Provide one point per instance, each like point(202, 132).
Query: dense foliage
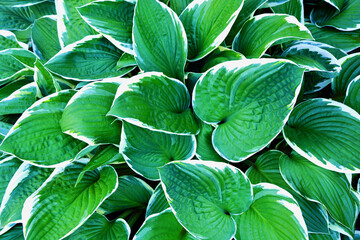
point(179, 119)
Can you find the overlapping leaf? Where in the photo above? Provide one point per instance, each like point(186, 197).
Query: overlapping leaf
point(352, 98)
point(157, 202)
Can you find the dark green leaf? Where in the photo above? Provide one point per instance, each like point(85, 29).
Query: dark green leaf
point(352, 98)
point(220, 55)
point(10, 67)
point(179, 5)
point(15, 233)
point(332, 236)
point(44, 80)
point(157, 202)
point(8, 166)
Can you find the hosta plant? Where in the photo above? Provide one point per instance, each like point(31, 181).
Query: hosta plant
point(179, 119)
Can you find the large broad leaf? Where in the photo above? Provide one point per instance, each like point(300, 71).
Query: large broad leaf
point(15, 233)
point(157, 102)
point(274, 215)
point(160, 42)
point(57, 208)
point(292, 7)
point(330, 188)
point(19, 100)
point(91, 58)
point(161, 226)
point(145, 150)
point(44, 37)
point(98, 227)
point(114, 20)
point(26, 180)
point(8, 40)
point(241, 99)
point(85, 117)
point(350, 68)
point(179, 5)
point(8, 166)
point(347, 41)
point(346, 19)
point(37, 136)
point(352, 98)
point(326, 133)
point(261, 31)
point(71, 27)
point(157, 202)
point(45, 82)
point(207, 22)
point(205, 196)
point(266, 169)
point(131, 193)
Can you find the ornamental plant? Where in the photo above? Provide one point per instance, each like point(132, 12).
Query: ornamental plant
point(179, 119)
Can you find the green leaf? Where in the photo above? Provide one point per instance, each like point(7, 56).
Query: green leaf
point(312, 58)
point(114, 20)
point(274, 3)
point(266, 169)
point(261, 31)
point(15, 18)
point(8, 40)
point(207, 22)
point(44, 37)
point(179, 5)
point(350, 69)
point(332, 236)
point(347, 41)
point(240, 99)
point(338, 4)
point(37, 137)
point(19, 100)
point(145, 150)
point(330, 188)
point(71, 27)
point(157, 202)
point(352, 98)
point(11, 87)
point(85, 117)
point(220, 55)
point(91, 58)
point(44, 80)
point(205, 196)
point(326, 133)
point(4, 129)
point(162, 226)
point(26, 180)
point(98, 227)
point(347, 19)
point(131, 193)
point(154, 101)
point(160, 42)
point(22, 55)
point(292, 7)
point(8, 166)
point(274, 215)
point(15, 233)
point(10, 67)
point(58, 203)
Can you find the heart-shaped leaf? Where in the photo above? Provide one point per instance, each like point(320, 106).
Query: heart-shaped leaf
point(145, 150)
point(326, 133)
point(330, 188)
point(274, 215)
point(58, 203)
point(157, 102)
point(160, 42)
point(206, 195)
point(37, 136)
point(8, 167)
point(352, 98)
point(241, 99)
point(267, 29)
point(207, 22)
point(157, 202)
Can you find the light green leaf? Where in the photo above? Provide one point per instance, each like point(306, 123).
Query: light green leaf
point(291, 7)
point(85, 117)
point(157, 202)
point(326, 133)
point(160, 42)
point(15, 233)
point(352, 98)
point(26, 180)
point(36, 136)
point(207, 22)
point(19, 100)
point(346, 41)
point(58, 203)
point(8, 166)
point(179, 5)
point(45, 82)
point(266, 29)
point(8, 40)
point(330, 188)
point(154, 101)
point(91, 58)
point(44, 37)
point(71, 27)
point(332, 236)
point(220, 55)
point(205, 196)
point(266, 169)
point(240, 99)
point(145, 150)
point(98, 227)
point(350, 69)
point(114, 20)
point(273, 215)
point(131, 193)
point(162, 226)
